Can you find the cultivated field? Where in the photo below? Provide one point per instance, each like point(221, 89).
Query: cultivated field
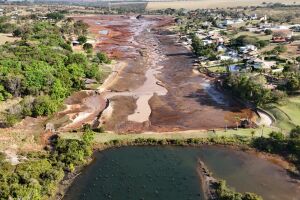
point(212, 4)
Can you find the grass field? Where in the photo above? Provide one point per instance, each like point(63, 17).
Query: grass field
point(287, 114)
point(101, 138)
point(218, 69)
point(192, 5)
point(259, 36)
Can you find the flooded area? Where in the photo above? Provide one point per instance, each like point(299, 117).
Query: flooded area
point(156, 89)
point(171, 173)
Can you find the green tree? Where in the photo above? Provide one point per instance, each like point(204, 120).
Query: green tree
point(295, 132)
point(102, 58)
point(268, 32)
point(58, 91)
point(55, 15)
point(82, 39)
point(87, 46)
point(276, 135)
point(44, 106)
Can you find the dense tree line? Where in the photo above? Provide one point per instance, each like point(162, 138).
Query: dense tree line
point(42, 69)
point(251, 89)
point(39, 176)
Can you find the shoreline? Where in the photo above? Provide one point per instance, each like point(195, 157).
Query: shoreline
point(275, 159)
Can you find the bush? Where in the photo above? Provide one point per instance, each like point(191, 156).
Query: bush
point(11, 119)
point(87, 46)
point(17, 32)
point(55, 15)
point(44, 106)
point(276, 135)
point(102, 58)
point(82, 39)
point(268, 32)
point(295, 132)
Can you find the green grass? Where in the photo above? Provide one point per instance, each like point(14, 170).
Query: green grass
point(261, 36)
point(287, 114)
point(101, 138)
point(217, 69)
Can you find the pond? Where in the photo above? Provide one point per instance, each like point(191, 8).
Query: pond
point(171, 173)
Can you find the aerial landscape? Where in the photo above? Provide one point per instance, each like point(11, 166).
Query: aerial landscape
point(149, 100)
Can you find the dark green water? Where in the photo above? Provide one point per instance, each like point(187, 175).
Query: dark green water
point(169, 173)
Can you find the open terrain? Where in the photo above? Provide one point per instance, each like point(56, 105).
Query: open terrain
point(157, 90)
point(210, 4)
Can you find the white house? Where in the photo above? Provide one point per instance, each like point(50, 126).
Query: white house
point(248, 48)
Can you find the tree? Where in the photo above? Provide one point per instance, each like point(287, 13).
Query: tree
point(244, 40)
point(293, 83)
point(82, 39)
point(80, 27)
point(17, 32)
point(4, 94)
point(88, 137)
point(58, 91)
point(87, 46)
point(268, 32)
point(295, 133)
point(276, 135)
point(44, 106)
point(55, 15)
point(102, 58)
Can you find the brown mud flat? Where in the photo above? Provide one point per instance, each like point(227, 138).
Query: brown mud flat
point(149, 50)
point(192, 102)
point(83, 107)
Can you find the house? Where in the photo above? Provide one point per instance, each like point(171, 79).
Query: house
point(248, 48)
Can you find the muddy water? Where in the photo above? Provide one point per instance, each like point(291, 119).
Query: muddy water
point(170, 173)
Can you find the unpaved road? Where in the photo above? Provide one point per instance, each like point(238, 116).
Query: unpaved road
point(157, 89)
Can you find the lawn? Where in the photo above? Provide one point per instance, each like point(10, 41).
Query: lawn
point(217, 69)
point(260, 36)
point(287, 114)
point(101, 138)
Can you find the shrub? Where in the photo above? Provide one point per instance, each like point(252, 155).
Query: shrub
point(102, 58)
point(82, 39)
point(268, 32)
point(44, 106)
point(87, 46)
point(295, 132)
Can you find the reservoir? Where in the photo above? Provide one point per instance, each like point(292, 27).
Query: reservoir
point(171, 173)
